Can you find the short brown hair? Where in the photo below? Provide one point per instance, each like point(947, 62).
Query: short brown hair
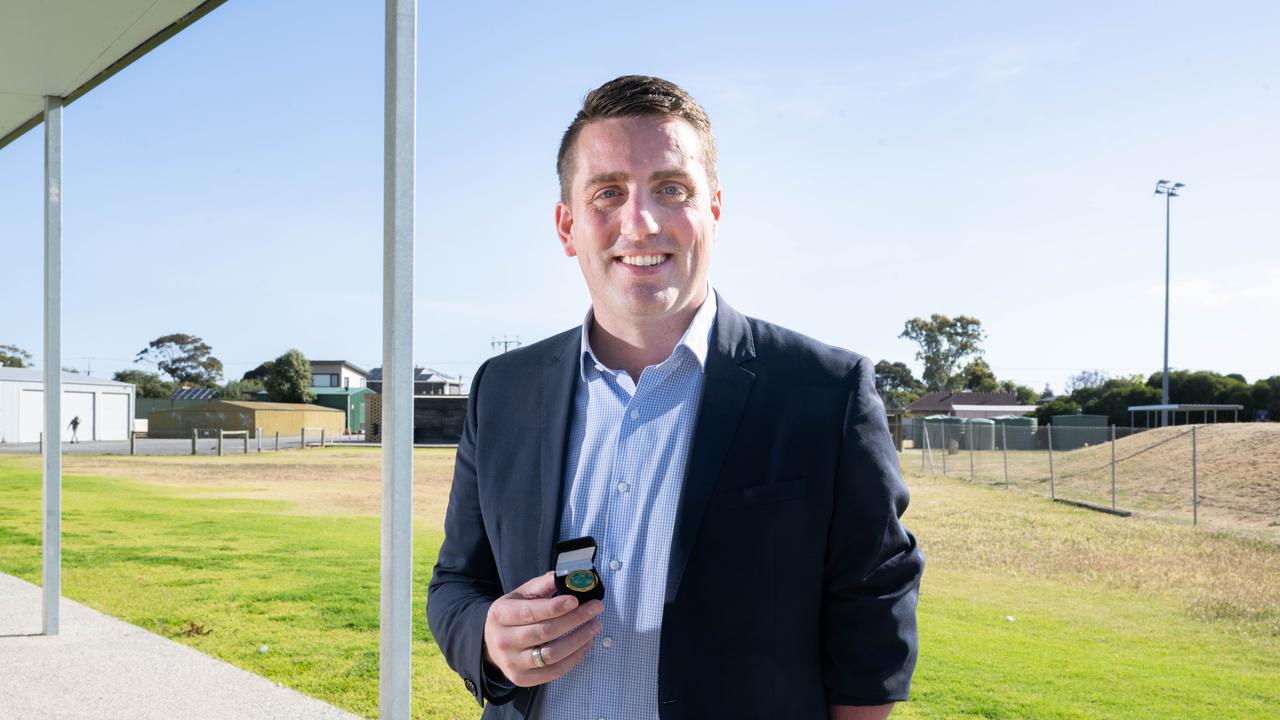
point(636, 96)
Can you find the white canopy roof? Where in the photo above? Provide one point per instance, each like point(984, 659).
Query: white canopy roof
point(68, 47)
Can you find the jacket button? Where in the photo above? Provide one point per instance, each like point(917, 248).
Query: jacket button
point(471, 687)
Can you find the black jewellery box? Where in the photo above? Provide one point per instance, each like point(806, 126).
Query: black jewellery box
point(576, 570)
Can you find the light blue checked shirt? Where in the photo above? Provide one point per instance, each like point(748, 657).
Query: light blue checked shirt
point(624, 467)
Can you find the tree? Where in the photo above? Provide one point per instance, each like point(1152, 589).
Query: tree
point(259, 373)
point(240, 390)
point(897, 386)
point(1045, 412)
point(1086, 379)
point(185, 358)
point(14, 357)
point(944, 343)
point(290, 379)
point(146, 384)
point(977, 376)
point(1026, 395)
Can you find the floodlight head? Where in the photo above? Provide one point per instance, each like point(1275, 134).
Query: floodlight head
point(1178, 185)
point(1162, 182)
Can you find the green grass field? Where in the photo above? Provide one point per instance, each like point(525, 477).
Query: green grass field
point(1111, 618)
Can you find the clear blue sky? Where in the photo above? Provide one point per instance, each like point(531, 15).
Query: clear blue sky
point(878, 162)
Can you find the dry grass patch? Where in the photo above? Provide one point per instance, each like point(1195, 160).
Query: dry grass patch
point(317, 481)
point(1215, 576)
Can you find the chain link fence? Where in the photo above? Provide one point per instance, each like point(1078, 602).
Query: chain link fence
point(1227, 475)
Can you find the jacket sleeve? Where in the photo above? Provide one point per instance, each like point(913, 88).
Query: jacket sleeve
point(873, 564)
point(464, 582)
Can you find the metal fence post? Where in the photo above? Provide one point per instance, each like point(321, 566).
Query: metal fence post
point(277, 441)
point(219, 442)
point(924, 442)
point(257, 433)
point(322, 437)
point(194, 433)
point(972, 475)
point(304, 439)
point(946, 448)
point(133, 442)
point(1004, 445)
point(1195, 491)
point(1053, 493)
point(246, 442)
point(1113, 467)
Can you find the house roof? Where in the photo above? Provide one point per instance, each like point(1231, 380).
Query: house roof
point(946, 401)
point(257, 405)
point(339, 391)
point(353, 366)
point(37, 375)
point(65, 48)
point(420, 375)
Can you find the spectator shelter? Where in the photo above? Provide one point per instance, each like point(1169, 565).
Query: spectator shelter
point(53, 52)
point(1208, 413)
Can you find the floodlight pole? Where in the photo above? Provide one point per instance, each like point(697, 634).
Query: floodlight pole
point(52, 446)
point(1169, 190)
point(400, 115)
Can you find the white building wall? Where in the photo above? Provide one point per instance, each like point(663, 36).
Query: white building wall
point(105, 407)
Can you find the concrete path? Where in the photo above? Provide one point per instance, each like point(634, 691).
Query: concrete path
point(99, 668)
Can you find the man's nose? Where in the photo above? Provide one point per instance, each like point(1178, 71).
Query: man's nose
point(638, 220)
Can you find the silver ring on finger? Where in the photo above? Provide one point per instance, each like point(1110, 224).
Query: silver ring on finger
point(538, 662)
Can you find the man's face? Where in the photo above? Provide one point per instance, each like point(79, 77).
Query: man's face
point(640, 194)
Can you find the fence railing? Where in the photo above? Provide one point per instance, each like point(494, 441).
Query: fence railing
point(1185, 473)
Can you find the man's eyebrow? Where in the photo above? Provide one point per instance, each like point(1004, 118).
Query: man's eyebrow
point(612, 177)
point(604, 178)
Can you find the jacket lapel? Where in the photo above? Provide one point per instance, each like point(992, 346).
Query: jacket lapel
point(725, 389)
point(558, 382)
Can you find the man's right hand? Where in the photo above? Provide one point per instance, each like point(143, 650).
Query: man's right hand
point(531, 617)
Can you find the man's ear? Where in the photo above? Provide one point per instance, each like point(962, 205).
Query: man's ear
point(564, 227)
point(716, 200)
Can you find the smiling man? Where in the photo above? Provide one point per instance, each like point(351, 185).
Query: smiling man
point(737, 478)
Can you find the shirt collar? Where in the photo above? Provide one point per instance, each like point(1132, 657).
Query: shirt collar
point(697, 337)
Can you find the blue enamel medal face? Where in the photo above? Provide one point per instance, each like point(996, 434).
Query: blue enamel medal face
point(581, 580)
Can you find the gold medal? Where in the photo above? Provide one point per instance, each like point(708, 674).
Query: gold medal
point(581, 581)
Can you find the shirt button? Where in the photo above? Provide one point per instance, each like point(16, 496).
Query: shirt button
point(614, 564)
point(635, 414)
point(623, 487)
point(607, 642)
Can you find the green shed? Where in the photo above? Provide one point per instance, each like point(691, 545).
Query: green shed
point(1071, 432)
point(351, 401)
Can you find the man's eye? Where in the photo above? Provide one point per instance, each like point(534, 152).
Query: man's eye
point(672, 191)
point(608, 194)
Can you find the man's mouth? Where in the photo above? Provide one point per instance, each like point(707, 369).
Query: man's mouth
point(643, 260)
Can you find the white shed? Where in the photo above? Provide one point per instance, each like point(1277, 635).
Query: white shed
point(105, 407)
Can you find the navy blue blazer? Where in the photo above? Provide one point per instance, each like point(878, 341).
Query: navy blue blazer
point(792, 584)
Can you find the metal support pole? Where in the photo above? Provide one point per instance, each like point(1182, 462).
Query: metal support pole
point(945, 448)
point(400, 118)
point(277, 441)
point(194, 433)
point(51, 452)
point(924, 443)
point(1004, 445)
point(1164, 392)
point(133, 442)
point(1113, 467)
point(219, 442)
point(257, 434)
point(322, 437)
point(1053, 493)
point(1195, 490)
point(304, 438)
point(972, 475)
point(246, 442)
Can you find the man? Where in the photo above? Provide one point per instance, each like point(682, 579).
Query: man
point(75, 427)
point(738, 477)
